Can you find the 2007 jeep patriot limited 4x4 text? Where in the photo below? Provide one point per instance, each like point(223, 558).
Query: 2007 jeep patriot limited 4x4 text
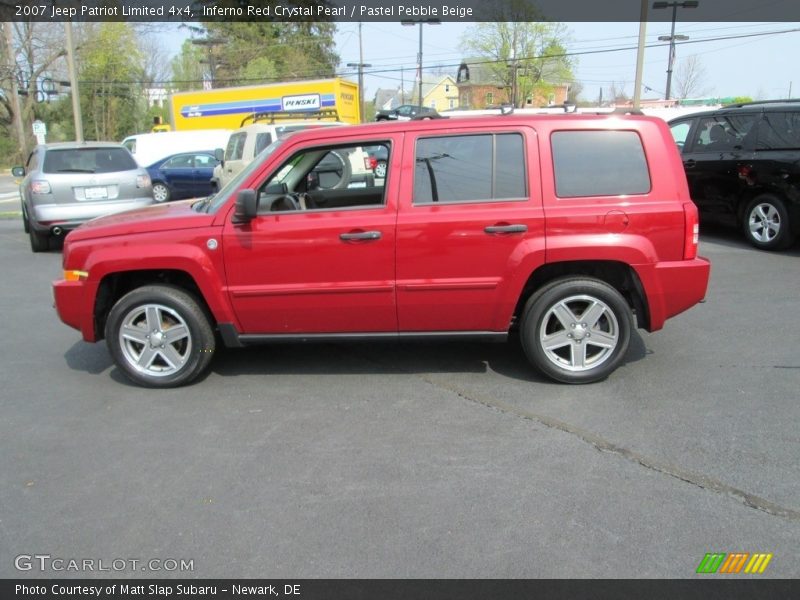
point(564, 227)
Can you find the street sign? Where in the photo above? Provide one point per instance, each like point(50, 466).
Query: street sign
point(39, 128)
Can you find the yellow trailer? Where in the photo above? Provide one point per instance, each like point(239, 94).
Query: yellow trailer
point(226, 108)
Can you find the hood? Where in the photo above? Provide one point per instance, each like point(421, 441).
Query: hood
point(168, 216)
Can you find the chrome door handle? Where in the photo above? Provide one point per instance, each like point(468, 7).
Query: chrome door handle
point(506, 229)
point(360, 235)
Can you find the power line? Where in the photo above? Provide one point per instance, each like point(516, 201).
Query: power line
point(397, 69)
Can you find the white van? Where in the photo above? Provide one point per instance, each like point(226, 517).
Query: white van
point(148, 148)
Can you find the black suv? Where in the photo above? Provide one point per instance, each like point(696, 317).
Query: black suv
point(743, 166)
point(407, 112)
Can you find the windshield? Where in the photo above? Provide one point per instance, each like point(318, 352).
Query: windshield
point(221, 197)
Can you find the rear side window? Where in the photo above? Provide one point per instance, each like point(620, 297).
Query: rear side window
point(779, 131)
point(470, 168)
point(599, 163)
point(88, 160)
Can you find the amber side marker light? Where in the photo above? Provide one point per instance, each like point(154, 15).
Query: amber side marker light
point(75, 275)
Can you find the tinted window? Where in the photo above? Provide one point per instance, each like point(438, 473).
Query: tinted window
point(599, 163)
point(88, 160)
point(779, 131)
point(469, 168)
point(235, 146)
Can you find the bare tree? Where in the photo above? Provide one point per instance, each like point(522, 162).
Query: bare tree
point(691, 78)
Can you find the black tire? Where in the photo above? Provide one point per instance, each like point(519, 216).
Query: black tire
point(766, 223)
point(25, 225)
point(153, 306)
point(161, 192)
point(380, 169)
point(40, 242)
point(561, 345)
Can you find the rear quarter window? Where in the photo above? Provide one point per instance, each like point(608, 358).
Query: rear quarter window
point(599, 163)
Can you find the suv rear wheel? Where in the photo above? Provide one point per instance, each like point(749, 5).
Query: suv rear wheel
point(576, 330)
point(766, 223)
point(160, 336)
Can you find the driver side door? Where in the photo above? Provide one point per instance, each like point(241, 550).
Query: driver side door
point(323, 265)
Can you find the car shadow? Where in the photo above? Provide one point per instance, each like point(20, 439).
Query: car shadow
point(352, 358)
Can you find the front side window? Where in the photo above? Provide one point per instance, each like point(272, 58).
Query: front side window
point(680, 131)
point(722, 133)
point(235, 148)
point(327, 178)
point(262, 141)
point(182, 161)
point(599, 163)
point(470, 168)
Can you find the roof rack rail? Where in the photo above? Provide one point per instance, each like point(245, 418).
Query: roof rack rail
point(759, 102)
point(620, 110)
point(282, 115)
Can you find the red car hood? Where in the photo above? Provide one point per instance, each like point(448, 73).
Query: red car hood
point(168, 216)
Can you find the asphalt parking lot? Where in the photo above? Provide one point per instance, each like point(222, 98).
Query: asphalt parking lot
point(438, 460)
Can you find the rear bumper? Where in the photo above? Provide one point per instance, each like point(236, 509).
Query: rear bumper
point(74, 307)
point(69, 216)
point(673, 287)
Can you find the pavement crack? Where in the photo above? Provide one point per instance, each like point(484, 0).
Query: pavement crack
point(704, 482)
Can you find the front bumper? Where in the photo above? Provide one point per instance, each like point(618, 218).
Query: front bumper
point(74, 305)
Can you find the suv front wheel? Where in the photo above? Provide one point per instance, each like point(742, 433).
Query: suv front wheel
point(160, 336)
point(766, 223)
point(576, 330)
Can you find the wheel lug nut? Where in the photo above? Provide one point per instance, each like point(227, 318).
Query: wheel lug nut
point(573, 325)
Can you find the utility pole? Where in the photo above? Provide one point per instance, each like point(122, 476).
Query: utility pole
point(671, 38)
point(421, 22)
point(11, 65)
point(73, 83)
point(361, 66)
point(637, 87)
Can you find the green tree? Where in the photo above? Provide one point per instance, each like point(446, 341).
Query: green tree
point(527, 58)
point(111, 72)
point(188, 72)
point(260, 52)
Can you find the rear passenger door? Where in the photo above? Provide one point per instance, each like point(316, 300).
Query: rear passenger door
point(470, 208)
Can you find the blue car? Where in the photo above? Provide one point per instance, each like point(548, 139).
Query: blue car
point(184, 175)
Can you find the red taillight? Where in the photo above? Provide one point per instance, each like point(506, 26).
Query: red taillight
point(40, 187)
point(372, 162)
point(691, 234)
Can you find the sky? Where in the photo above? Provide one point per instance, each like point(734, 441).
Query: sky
point(763, 66)
point(737, 60)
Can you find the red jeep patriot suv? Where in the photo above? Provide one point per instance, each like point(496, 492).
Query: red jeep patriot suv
point(564, 227)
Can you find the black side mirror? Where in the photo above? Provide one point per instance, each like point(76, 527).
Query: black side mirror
point(246, 207)
point(18, 171)
point(219, 154)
